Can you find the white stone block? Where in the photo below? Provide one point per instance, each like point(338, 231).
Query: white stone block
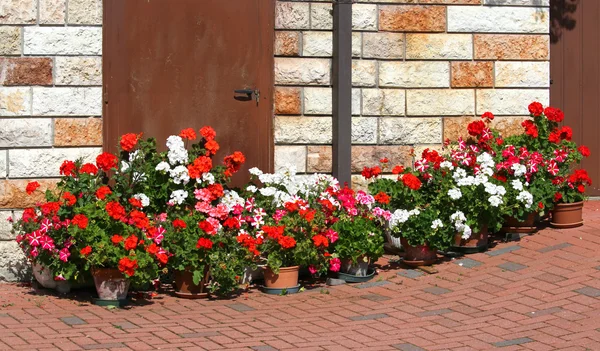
point(25, 132)
point(3, 163)
point(523, 74)
point(364, 130)
point(292, 15)
point(302, 130)
point(62, 40)
point(67, 101)
point(364, 73)
point(383, 45)
point(78, 70)
point(18, 11)
point(6, 226)
point(383, 102)
point(321, 16)
point(414, 74)
point(318, 101)
point(15, 101)
point(439, 46)
point(440, 102)
point(512, 102)
point(302, 71)
point(364, 17)
point(517, 2)
point(484, 19)
point(410, 131)
point(290, 155)
point(85, 12)
point(317, 44)
point(35, 163)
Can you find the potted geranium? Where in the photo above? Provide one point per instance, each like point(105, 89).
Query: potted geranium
point(189, 188)
point(357, 231)
point(569, 197)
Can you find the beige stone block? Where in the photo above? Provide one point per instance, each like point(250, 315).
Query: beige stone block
point(455, 127)
point(65, 41)
point(470, 74)
point(364, 73)
point(356, 44)
point(3, 163)
point(511, 47)
point(25, 163)
point(523, 74)
point(414, 74)
point(287, 43)
point(52, 11)
point(288, 101)
point(317, 44)
point(439, 47)
point(410, 18)
point(6, 226)
point(290, 155)
point(364, 17)
point(383, 45)
point(511, 102)
point(318, 101)
point(302, 71)
point(77, 132)
point(18, 12)
point(383, 102)
point(13, 194)
point(364, 130)
point(25, 132)
point(292, 15)
point(517, 2)
point(440, 102)
point(65, 101)
point(320, 157)
point(85, 12)
point(15, 101)
point(78, 70)
point(10, 40)
point(482, 19)
point(410, 131)
point(302, 130)
point(321, 16)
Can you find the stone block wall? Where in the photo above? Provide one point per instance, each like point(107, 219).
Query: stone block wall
point(422, 70)
point(50, 100)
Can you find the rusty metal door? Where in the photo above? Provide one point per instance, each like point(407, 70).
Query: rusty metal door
point(170, 65)
point(575, 74)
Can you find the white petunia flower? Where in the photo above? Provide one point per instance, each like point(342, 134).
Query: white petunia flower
point(455, 193)
point(232, 198)
point(255, 171)
point(134, 155)
point(447, 165)
point(268, 191)
point(124, 166)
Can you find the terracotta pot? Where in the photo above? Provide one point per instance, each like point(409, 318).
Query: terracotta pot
point(359, 269)
point(287, 277)
point(567, 215)
point(110, 283)
point(185, 287)
point(476, 242)
point(512, 225)
point(420, 255)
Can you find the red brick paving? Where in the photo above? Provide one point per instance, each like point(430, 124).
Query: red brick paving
point(552, 303)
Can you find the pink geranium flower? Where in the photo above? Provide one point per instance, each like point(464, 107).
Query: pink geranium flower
point(312, 269)
point(335, 264)
point(332, 235)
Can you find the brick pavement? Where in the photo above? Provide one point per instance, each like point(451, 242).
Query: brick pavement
point(539, 293)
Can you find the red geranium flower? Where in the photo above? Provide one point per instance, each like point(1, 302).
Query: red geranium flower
point(398, 170)
point(140, 219)
point(116, 239)
point(204, 244)
point(216, 191)
point(105, 161)
point(188, 133)
point(211, 147)
point(530, 128)
point(31, 187)
point(131, 242)
point(201, 165)
point(320, 240)
point(102, 192)
point(384, 160)
point(135, 202)
point(536, 109)
point(89, 168)
point(50, 208)
point(208, 133)
point(69, 198)
point(476, 128)
point(286, 242)
point(80, 220)
point(115, 210)
point(68, 168)
point(207, 227)
point(554, 114)
point(128, 266)
point(369, 173)
point(581, 188)
point(233, 163)
point(584, 150)
point(382, 198)
point(129, 141)
point(411, 181)
point(178, 223)
point(566, 133)
point(488, 116)
point(152, 249)
point(86, 251)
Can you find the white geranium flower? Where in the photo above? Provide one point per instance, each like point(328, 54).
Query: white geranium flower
point(467, 231)
point(175, 142)
point(458, 216)
point(124, 166)
point(519, 169)
point(145, 200)
point(455, 193)
point(517, 184)
point(398, 217)
point(447, 165)
point(177, 156)
point(490, 188)
point(209, 178)
point(268, 191)
point(178, 196)
point(495, 200)
point(526, 198)
point(255, 171)
point(437, 223)
point(485, 160)
point(251, 188)
point(459, 174)
point(466, 181)
point(163, 167)
point(231, 198)
point(180, 175)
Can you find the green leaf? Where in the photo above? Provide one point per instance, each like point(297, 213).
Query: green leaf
point(197, 277)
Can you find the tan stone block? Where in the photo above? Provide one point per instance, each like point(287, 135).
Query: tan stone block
point(414, 74)
point(302, 71)
point(292, 15)
point(452, 2)
point(319, 158)
point(287, 101)
point(10, 41)
point(52, 11)
point(18, 11)
point(410, 131)
point(508, 126)
point(523, 74)
point(287, 43)
point(290, 155)
point(13, 194)
point(440, 102)
point(383, 102)
point(510, 102)
point(78, 70)
point(383, 45)
point(85, 12)
point(25, 71)
point(439, 47)
point(511, 47)
point(412, 18)
point(77, 132)
point(364, 73)
point(455, 127)
point(302, 130)
point(15, 101)
point(472, 74)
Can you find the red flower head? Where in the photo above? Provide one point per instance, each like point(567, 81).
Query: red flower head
point(584, 150)
point(216, 191)
point(566, 133)
point(411, 181)
point(31, 187)
point(211, 147)
point(105, 161)
point(557, 197)
point(581, 188)
point(204, 243)
point(287, 242)
point(234, 162)
point(89, 168)
point(398, 170)
point(131, 242)
point(207, 227)
point(488, 116)
point(382, 198)
point(102, 192)
point(68, 168)
point(179, 224)
point(80, 220)
point(384, 160)
point(139, 219)
point(129, 141)
point(476, 128)
point(28, 215)
point(116, 239)
point(201, 165)
point(554, 114)
point(554, 136)
point(320, 240)
point(541, 205)
point(208, 133)
point(530, 128)
point(69, 198)
point(536, 109)
point(369, 173)
point(86, 251)
point(135, 202)
point(128, 266)
point(188, 133)
point(152, 249)
point(50, 208)
point(115, 210)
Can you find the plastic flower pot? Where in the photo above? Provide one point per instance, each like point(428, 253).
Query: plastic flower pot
point(567, 215)
point(185, 287)
point(477, 242)
point(111, 284)
point(286, 279)
point(512, 225)
point(420, 255)
point(359, 268)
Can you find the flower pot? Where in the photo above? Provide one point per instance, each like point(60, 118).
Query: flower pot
point(110, 283)
point(45, 278)
point(185, 287)
point(395, 245)
point(251, 274)
point(420, 255)
point(567, 215)
point(287, 277)
point(512, 225)
point(477, 242)
point(359, 269)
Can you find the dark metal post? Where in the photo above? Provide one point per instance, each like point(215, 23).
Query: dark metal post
point(342, 90)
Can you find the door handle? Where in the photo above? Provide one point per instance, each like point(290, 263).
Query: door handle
point(249, 92)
